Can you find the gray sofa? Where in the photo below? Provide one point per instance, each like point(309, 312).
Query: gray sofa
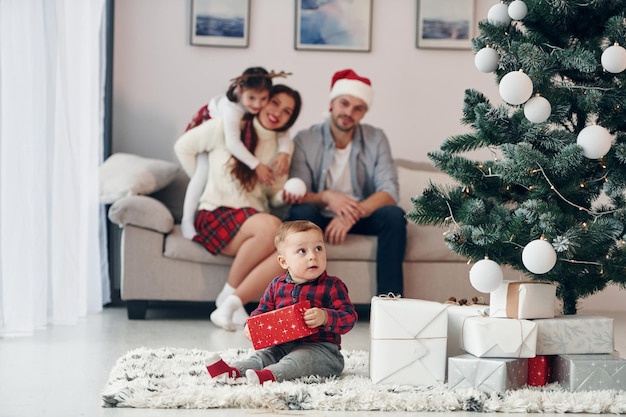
point(159, 264)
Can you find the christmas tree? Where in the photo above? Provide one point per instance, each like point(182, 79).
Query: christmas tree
point(550, 200)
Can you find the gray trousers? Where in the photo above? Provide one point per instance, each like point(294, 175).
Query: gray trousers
point(293, 360)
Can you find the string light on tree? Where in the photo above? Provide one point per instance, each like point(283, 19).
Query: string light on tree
point(486, 275)
point(538, 256)
point(516, 87)
point(614, 59)
point(595, 141)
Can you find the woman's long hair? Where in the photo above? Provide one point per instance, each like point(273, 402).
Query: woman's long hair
point(246, 176)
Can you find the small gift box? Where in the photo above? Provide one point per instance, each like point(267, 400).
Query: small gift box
point(523, 300)
point(540, 370)
point(600, 371)
point(486, 374)
point(575, 334)
point(488, 337)
point(456, 316)
point(279, 326)
point(408, 341)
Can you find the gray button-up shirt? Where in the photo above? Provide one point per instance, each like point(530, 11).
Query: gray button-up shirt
point(371, 164)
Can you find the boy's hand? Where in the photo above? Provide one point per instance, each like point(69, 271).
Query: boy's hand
point(264, 174)
point(315, 317)
point(281, 164)
point(246, 332)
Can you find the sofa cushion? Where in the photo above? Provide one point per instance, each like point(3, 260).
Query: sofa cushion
point(141, 211)
point(124, 174)
point(179, 247)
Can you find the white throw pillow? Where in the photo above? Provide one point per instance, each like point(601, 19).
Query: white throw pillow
point(124, 174)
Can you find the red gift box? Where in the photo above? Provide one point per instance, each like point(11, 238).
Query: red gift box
point(539, 370)
point(279, 326)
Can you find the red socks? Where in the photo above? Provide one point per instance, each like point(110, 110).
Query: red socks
point(220, 367)
point(259, 377)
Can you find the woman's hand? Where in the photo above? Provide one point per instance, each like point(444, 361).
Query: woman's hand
point(264, 174)
point(315, 317)
point(290, 198)
point(281, 164)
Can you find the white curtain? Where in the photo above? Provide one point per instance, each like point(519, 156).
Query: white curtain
point(51, 141)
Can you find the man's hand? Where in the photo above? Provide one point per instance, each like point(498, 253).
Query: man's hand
point(336, 231)
point(343, 206)
point(315, 317)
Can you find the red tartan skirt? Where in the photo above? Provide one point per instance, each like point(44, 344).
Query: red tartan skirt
point(215, 229)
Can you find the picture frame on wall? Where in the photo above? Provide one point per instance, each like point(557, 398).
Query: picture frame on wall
point(445, 24)
point(220, 23)
point(333, 25)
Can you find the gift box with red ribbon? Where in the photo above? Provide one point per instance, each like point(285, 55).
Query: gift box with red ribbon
point(279, 326)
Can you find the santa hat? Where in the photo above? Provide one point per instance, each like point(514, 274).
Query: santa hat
point(349, 82)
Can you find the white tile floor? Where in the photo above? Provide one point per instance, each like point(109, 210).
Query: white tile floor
point(61, 370)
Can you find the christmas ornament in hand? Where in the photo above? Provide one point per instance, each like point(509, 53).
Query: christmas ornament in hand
point(295, 186)
point(486, 275)
point(539, 256)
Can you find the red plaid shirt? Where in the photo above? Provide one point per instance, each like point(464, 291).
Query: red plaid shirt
point(326, 292)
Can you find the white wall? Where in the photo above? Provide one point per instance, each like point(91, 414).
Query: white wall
point(160, 80)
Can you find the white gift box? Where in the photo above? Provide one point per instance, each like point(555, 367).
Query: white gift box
point(456, 316)
point(408, 341)
point(574, 334)
point(488, 337)
point(486, 374)
point(523, 300)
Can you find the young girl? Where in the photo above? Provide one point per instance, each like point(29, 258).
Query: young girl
point(247, 93)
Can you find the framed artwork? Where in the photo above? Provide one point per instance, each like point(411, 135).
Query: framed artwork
point(445, 24)
point(333, 25)
point(220, 23)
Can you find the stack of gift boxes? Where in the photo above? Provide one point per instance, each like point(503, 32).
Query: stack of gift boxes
point(513, 342)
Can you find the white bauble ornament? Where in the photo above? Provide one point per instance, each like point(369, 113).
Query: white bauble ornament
point(516, 87)
point(537, 109)
point(295, 186)
point(595, 141)
point(614, 59)
point(486, 275)
point(539, 256)
point(498, 14)
point(487, 60)
point(517, 10)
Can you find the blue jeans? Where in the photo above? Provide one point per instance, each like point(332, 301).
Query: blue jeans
point(388, 224)
point(296, 359)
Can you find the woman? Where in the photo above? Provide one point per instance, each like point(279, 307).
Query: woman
point(233, 217)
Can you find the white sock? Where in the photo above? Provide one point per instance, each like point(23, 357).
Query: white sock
point(226, 291)
point(240, 317)
point(223, 315)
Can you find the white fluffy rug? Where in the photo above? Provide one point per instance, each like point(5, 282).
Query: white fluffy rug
point(177, 378)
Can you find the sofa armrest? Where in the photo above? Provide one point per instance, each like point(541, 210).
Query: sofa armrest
point(142, 211)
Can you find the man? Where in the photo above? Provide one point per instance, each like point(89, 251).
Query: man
point(351, 180)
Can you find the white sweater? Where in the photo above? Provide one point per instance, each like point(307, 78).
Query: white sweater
point(222, 188)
